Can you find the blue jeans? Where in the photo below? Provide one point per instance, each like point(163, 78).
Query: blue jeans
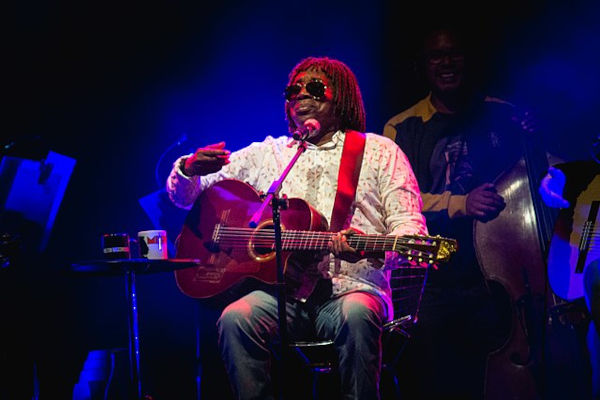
point(248, 326)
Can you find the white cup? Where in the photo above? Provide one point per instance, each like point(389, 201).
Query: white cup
point(153, 244)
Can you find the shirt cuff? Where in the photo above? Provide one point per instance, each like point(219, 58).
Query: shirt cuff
point(457, 206)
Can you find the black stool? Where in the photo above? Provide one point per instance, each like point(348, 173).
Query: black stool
point(320, 357)
point(407, 283)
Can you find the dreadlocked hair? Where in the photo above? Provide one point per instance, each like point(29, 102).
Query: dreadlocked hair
point(347, 100)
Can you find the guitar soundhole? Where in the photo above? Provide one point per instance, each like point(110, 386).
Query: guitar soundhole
point(263, 240)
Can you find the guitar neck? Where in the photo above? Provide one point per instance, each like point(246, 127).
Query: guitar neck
point(421, 247)
point(308, 240)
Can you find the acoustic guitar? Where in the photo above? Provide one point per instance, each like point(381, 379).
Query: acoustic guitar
point(217, 232)
point(575, 243)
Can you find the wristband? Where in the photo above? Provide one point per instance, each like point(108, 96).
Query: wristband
point(182, 166)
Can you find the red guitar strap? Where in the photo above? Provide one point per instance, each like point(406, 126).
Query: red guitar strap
point(352, 155)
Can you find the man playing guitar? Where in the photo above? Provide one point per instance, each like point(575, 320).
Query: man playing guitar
point(344, 296)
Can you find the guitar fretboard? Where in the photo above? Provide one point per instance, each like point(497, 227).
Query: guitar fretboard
point(293, 240)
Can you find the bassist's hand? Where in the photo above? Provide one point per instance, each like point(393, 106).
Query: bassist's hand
point(483, 203)
point(206, 160)
point(527, 120)
point(340, 248)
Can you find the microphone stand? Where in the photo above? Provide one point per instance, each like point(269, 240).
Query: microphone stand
point(278, 203)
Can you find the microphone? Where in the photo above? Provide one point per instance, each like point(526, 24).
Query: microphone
point(309, 126)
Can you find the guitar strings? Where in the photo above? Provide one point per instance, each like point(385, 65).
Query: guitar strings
point(265, 237)
point(417, 249)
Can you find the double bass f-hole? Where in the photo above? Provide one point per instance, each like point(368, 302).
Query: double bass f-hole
point(529, 323)
point(523, 309)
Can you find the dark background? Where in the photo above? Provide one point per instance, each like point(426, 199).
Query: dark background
point(126, 87)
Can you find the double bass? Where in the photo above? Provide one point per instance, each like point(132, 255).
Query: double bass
point(511, 250)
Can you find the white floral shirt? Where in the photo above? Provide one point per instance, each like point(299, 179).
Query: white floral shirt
point(387, 199)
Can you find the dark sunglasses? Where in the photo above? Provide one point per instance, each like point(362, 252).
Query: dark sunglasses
point(436, 57)
point(315, 88)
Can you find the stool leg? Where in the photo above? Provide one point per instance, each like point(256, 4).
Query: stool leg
point(391, 371)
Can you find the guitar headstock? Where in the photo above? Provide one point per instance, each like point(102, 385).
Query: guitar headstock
point(427, 249)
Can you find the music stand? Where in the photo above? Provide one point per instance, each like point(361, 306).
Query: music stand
point(129, 267)
point(30, 195)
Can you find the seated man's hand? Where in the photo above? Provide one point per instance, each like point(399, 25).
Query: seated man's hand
point(340, 247)
point(206, 160)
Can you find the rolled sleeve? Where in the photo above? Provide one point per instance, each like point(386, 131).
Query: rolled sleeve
point(182, 190)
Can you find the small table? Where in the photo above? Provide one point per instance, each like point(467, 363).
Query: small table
point(129, 267)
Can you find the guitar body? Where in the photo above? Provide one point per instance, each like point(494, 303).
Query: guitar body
point(573, 244)
point(216, 232)
point(231, 203)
